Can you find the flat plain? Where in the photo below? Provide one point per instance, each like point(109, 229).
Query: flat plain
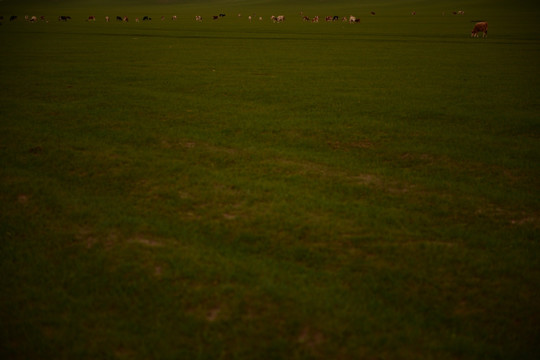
point(236, 189)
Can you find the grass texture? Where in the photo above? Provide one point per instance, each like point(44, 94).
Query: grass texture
point(249, 190)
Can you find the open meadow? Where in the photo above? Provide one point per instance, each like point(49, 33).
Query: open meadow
point(245, 189)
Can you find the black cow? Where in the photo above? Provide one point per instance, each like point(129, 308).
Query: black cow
point(118, 18)
point(13, 17)
point(64, 18)
point(146, 18)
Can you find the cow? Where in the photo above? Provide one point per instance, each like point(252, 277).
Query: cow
point(306, 18)
point(215, 17)
point(198, 18)
point(107, 18)
point(352, 19)
point(335, 18)
point(315, 19)
point(91, 18)
point(372, 13)
point(64, 18)
point(33, 19)
point(221, 15)
point(126, 19)
point(480, 27)
point(118, 18)
point(146, 18)
point(174, 18)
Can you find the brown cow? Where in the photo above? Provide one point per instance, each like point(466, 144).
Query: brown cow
point(480, 27)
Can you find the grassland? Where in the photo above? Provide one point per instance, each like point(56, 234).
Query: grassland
point(237, 190)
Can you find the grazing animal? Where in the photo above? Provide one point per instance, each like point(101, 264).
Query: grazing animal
point(174, 18)
point(480, 27)
point(315, 19)
point(215, 17)
point(91, 18)
point(335, 18)
point(118, 18)
point(352, 19)
point(221, 15)
point(146, 18)
point(64, 18)
point(33, 19)
point(107, 18)
point(126, 19)
point(306, 18)
point(198, 18)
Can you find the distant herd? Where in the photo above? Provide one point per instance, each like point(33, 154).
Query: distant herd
point(479, 27)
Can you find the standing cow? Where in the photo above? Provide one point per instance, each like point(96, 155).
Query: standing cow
point(480, 27)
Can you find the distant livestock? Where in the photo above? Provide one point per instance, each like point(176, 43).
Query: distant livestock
point(64, 18)
point(118, 18)
point(480, 27)
point(13, 17)
point(146, 18)
point(107, 18)
point(91, 18)
point(198, 18)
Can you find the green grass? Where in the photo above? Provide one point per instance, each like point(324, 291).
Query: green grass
point(240, 190)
